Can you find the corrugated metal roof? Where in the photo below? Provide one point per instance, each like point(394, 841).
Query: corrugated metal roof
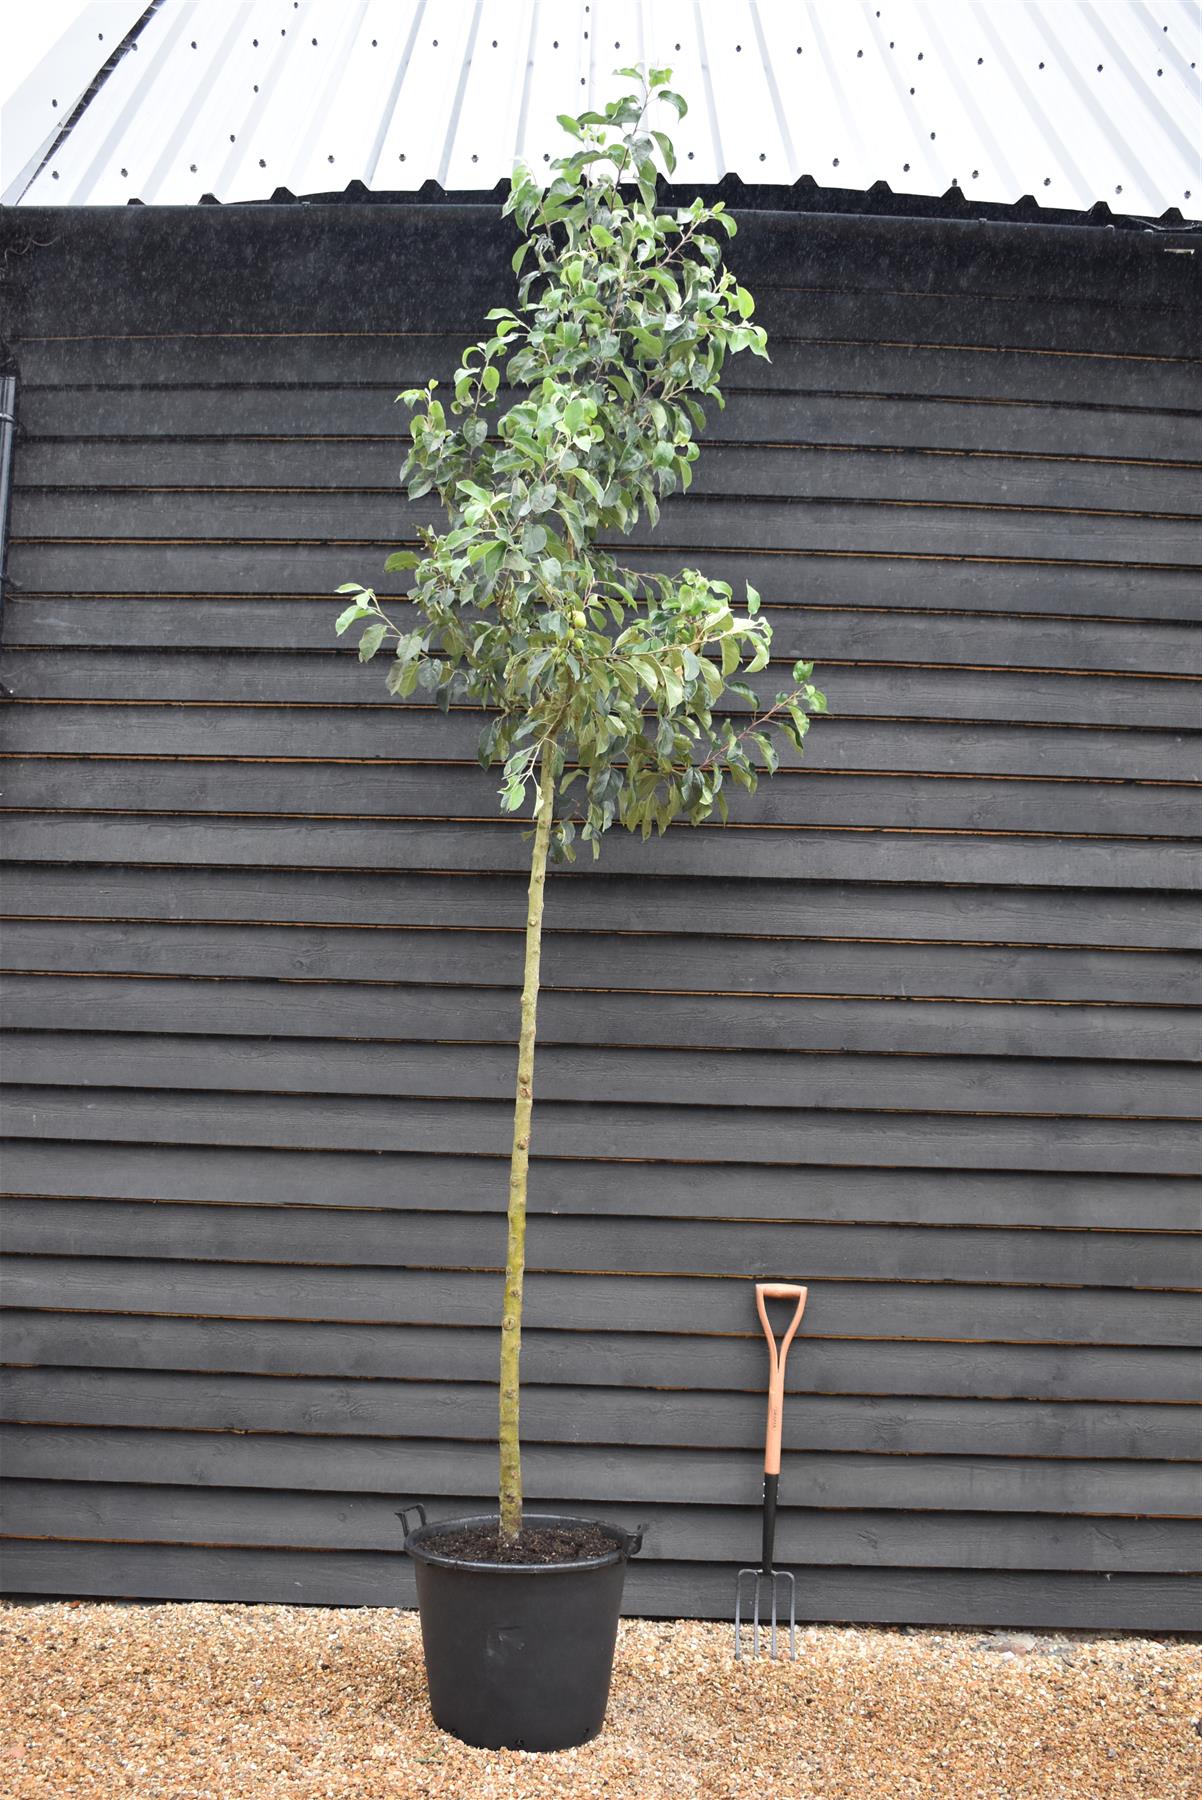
point(1070, 101)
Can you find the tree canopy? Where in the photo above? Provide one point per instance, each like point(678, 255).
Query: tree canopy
point(566, 426)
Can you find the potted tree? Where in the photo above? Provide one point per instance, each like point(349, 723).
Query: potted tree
point(602, 687)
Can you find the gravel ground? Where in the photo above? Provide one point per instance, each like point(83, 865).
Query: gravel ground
point(207, 1702)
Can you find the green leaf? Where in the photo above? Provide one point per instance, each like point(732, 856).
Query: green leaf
point(402, 559)
point(349, 617)
point(371, 640)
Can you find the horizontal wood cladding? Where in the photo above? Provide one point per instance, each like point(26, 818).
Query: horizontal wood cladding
point(282, 1347)
point(1038, 441)
point(588, 1128)
point(863, 634)
point(919, 1029)
point(803, 797)
point(591, 900)
point(448, 1181)
point(654, 1590)
point(393, 1238)
point(948, 1312)
point(123, 1512)
point(631, 1417)
point(380, 1012)
point(948, 579)
point(654, 963)
point(626, 1075)
point(444, 1469)
point(304, 678)
point(835, 527)
point(809, 853)
point(321, 465)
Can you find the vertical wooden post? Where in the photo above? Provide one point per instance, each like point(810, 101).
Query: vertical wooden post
point(519, 1163)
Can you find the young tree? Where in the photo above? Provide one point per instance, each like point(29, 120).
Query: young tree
point(597, 678)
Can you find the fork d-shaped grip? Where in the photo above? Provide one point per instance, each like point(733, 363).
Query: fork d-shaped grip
point(775, 1290)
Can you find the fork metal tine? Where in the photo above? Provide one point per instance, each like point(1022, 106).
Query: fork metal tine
point(752, 1604)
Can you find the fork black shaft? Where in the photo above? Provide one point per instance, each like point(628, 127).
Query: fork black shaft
point(769, 1545)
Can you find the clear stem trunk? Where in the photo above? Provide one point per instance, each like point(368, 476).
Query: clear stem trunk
point(519, 1163)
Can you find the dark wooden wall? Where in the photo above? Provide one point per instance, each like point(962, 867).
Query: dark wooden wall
point(915, 1029)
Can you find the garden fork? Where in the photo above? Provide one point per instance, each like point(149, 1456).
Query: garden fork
point(755, 1588)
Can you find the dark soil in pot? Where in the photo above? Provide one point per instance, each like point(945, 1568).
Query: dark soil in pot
point(519, 1654)
point(581, 1542)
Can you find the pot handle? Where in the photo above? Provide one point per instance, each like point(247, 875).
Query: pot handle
point(404, 1513)
point(636, 1540)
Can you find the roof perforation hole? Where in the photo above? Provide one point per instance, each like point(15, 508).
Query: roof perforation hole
point(314, 41)
point(763, 158)
point(401, 157)
point(54, 103)
point(690, 156)
point(192, 167)
point(932, 137)
point(911, 90)
point(254, 43)
point(738, 46)
point(474, 159)
point(859, 53)
point(329, 159)
point(262, 162)
point(678, 46)
point(125, 171)
point(193, 43)
point(54, 174)
point(1047, 181)
point(920, 56)
point(494, 43)
point(555, 45)
point(434, 41)
point(976, 174)
point(799, 49)
point(233, 139)
point(375, 43)
point(1187, 193)
point(1101, 66)
point(256, 87)
point(980, 60)
point(1160, 71)
point(905, 168)
point(1041, 65)
point(1118, 190)
point(835, 163)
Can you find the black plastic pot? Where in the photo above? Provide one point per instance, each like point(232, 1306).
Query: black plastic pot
point(518, 1655)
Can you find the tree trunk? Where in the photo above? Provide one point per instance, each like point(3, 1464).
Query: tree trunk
point(515, 1253)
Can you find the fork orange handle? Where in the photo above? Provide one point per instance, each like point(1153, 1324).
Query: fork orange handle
point(776, 1290)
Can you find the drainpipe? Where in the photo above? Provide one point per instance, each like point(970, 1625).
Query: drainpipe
point(8, 433)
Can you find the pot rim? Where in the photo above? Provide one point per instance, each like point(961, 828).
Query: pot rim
point(417, 1545)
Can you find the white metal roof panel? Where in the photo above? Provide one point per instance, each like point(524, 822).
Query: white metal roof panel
point(1071, 101)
